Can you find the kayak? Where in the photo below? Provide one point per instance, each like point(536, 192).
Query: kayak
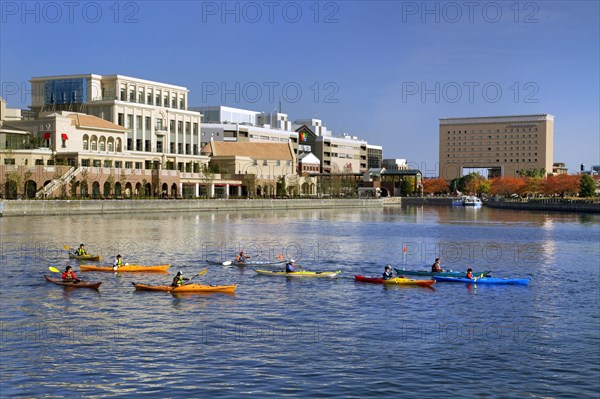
point(395, 280)
point(81, 284)
point(448, 273)
point(300, 273)
point(260, 263)
point(125, 268)
point(93, 258)
point(186, 288)
point(249, 263)
point(483, 280)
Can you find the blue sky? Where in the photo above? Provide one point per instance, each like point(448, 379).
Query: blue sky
point(382, 70)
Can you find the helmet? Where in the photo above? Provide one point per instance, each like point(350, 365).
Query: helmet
point(179, 273)
point(118, 256)
point(292, 261)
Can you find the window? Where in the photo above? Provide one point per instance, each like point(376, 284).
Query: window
point(138, 165)
point(85, 162)
point(108, 163)
point(121, 119)
point(129, 124)
point(149, 97)
point(110, 146)
point(96, 163)
point(195, 128)
point(180, 127)
point(131, 95)
point(159, 146)
point(138, 123)
point(148, 124)
point(148, 144)
point(118, 164)
point(128, 165)
point(157, 100)
point(138, 145)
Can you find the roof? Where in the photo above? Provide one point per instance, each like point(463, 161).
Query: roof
point(252, 150)
point(401, 172)
point(13, 129)
point(309, 158)
point(90, 121)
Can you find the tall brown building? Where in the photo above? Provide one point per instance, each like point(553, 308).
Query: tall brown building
point(502, 144)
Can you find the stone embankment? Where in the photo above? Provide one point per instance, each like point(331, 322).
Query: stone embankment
point(90, 207)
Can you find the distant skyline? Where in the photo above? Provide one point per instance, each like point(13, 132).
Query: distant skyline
point(383, 71)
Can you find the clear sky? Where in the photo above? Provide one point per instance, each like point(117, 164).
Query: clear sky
point(385, 71)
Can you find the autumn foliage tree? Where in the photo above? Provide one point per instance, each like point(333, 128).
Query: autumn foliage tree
point(562, 185)
point(507, 186)
point(435, 186)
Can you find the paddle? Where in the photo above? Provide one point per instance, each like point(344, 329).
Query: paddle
point(226, 263)
point(68, 248)
point(196, 275)
point(477, 278)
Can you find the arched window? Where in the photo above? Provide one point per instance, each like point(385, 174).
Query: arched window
point(86, 142)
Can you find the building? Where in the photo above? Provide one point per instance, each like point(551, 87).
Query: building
point(394, 164)
point(260, 166)
point(374, 156)
point(221, 123)
point(338, 154)
point(504, 145)
point(154, 114)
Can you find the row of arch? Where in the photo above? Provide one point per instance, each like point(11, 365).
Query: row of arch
point(95, 190)
point(95, 143)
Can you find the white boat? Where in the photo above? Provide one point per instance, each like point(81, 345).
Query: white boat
point(468, 200)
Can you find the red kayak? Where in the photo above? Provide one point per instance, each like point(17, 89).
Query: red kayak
point(81, 284)
point(395, 280)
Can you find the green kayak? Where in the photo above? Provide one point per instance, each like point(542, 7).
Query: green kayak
point(447, 273)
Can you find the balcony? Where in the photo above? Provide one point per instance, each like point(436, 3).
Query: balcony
point(160, 130)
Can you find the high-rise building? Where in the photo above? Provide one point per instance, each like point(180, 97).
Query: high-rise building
point(505, 145)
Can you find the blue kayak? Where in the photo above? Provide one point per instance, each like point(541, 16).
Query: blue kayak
point(483, 280)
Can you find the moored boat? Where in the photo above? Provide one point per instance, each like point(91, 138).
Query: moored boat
point(126, 268)
point(483, 280)
point(91, 258)
point(299, 273)
point(395, 280)
point(81, 284)
point(186, 288)
point(448, 273)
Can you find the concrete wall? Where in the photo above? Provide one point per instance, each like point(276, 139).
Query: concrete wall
point(52, 207)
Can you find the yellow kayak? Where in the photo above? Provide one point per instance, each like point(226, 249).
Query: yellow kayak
point(125, 268)
point(299, 273)
point(186, 288)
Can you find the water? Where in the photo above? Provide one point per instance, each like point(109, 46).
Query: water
point(280, 337)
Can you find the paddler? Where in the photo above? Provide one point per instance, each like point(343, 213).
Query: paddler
point(387, 274)
point(179, 279)
point(241, 258)
point(118, 262)
point(436, 268)
point(469, 273)
point(81, 250)
point(69, 275)
point(289, 267)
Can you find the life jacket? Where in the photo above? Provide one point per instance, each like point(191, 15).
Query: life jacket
point(119, 262)
point(289, 268)
point(81, 251)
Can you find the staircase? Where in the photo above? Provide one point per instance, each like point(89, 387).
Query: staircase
point(55, 184)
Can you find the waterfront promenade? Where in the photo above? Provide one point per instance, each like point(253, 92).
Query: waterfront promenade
point(90, 207)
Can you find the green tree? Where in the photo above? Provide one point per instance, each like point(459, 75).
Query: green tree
point(281, 189)
point(587, 186)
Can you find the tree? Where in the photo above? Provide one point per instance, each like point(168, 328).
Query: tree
point(281, 190)
point(473, 183)
point(435, 186)
point(506, 186)
point(541, 172)
point(562, 185)
point(587, 186)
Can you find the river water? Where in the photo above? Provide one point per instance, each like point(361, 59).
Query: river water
point(304, 338)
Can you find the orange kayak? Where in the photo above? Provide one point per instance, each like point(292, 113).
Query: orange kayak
point(125, 268)
point(81, 284)
point(186, 288)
